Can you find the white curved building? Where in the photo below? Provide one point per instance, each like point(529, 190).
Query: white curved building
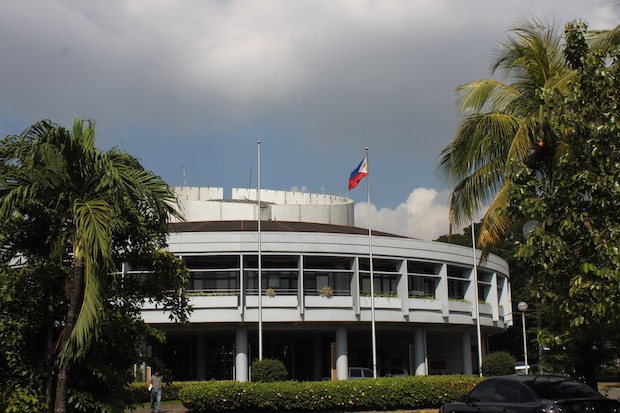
point(424, 292)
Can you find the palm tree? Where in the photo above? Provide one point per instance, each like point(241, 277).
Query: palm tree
point(503, 124)
point(83, 189)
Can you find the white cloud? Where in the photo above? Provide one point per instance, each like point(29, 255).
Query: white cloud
point(423, 215)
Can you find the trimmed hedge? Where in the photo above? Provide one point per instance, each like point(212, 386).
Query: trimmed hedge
point(268, 371)
point(499, 363)
point(391, 393)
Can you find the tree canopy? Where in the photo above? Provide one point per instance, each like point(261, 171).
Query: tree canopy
point(574, 249)
point(71, 214)
point(503, 124)
point(544, 148)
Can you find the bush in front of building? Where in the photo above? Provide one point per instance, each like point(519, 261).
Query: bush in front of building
point(268, 371)
point(391, 393)
point(499, 363)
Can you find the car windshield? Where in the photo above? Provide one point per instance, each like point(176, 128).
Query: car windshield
point(561, 389)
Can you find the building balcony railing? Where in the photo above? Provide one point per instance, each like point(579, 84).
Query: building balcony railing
point(213, 299)
point(213, 292)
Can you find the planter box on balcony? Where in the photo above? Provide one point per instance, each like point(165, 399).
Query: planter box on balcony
point(381, 302)
point(424, 304)
point(485, 309)
point(277, 301)
point(460, 306)
point(313, 301)
point(214, 301)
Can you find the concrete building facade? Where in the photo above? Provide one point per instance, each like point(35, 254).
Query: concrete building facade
point(315, 312)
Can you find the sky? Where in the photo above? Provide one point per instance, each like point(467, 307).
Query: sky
point(190, 87)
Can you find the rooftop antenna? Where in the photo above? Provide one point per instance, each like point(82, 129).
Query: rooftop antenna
point(250, 180)
point(183, 168)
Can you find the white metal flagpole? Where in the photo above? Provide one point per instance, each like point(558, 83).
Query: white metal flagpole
point(260, 275)
point(477, 305)
point(372, 278)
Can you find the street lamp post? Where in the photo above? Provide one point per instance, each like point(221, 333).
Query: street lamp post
point(522, 306)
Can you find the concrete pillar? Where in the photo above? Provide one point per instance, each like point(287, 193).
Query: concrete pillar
point(342, 358)
point(420, 362)
point(241, 356)
point(466, 367)
point(201, 358)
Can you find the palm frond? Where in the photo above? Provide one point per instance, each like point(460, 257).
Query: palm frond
point(605, 41)
point(485, 95)
point(480, 138)
point(502, 124)
point(496, 221)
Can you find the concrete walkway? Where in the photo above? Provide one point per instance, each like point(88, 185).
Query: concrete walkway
point(166, 407)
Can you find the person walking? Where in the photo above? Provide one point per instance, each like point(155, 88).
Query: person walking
point(155, 387)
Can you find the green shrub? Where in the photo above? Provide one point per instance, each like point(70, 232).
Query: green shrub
point(15, 399)
point(499, 363)
point(392, 393)
point(268, 371)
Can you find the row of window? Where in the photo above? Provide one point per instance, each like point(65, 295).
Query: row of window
point(222, 274)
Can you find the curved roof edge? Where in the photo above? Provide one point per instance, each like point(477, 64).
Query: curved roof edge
point(273, 226)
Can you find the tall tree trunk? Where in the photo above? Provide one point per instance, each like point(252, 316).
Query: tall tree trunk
point(588, 361)
point(49, 365)
point(62, 385)
point(589, 366)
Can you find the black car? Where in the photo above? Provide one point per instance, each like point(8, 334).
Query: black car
point(532, 394)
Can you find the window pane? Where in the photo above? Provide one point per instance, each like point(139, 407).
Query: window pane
point(484, 391)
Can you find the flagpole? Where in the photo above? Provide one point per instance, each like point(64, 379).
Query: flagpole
point(260, 275)
point(477, 306)
point(372, 279)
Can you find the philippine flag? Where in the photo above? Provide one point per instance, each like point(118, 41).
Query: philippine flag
point(359, 173)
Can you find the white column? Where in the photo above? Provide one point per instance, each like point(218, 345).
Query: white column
point(201, 360)
point(241, 358)
point(466, 360)
point(421, 368)
point(342, 358)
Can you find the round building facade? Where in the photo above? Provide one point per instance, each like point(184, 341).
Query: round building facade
point(430, 311)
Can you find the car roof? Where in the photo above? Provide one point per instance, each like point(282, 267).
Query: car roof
point(524, 378)
point(554, 386)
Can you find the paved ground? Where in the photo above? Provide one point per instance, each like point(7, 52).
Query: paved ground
point(611, 390)
point(167, 407)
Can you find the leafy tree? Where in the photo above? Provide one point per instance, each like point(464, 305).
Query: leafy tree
point(27, 314)
point(67, 204)
point(502, 125)
point(574, 248)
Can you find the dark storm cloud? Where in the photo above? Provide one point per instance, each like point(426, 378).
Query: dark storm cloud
point(191, 82)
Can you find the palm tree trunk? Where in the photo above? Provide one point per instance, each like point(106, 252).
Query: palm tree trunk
point(62, 385)
point(49, 366)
